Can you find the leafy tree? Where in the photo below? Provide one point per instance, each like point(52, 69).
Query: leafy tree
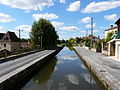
point(77, 39)
point(87, 42)
point(24, 40)
point(46, 29)
point(71, 40)
point(109, 35)
point(62, 41)
point(98, 45)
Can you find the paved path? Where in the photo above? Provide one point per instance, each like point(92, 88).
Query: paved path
point(11, 68)
point(106, 69)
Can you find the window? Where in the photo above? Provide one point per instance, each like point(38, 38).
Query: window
point(4, 45)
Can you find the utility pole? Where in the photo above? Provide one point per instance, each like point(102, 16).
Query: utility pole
point(91, 31)
point(41, 40)
point(20, 39)
point(86, 32)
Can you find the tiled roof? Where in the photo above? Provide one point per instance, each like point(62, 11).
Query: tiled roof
point(111, 28)
point(10, 36)
point(118, 21)
point(1, 35)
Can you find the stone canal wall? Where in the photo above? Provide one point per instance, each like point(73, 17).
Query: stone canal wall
point(107, 70)
point(24, 73)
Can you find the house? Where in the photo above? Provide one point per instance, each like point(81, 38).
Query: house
point(114, 44)
point(111, 29)
point(25, 44)
point(9, 41)
point(109, 47)
point(117, 45)
point(87, 42)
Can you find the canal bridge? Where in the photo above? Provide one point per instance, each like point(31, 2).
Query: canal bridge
point(14, 72)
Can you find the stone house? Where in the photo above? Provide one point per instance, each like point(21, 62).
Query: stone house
point(9, 41)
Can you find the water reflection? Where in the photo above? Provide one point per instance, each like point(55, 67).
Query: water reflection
point(45, 72)
point(70, 48)
point(68, 74)
point(74, 79)
point(88, 78)
point(68, 57)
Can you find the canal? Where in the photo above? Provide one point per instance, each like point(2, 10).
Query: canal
point(64, 72)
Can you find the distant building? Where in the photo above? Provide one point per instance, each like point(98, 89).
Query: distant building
point(25, 44)
point(9, 41)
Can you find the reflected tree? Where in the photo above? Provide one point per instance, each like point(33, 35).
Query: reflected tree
point(46, 71)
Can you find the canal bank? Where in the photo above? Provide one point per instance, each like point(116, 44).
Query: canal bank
point(107, 70)
point(14, 77)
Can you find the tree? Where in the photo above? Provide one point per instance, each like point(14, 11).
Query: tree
point(24, 40)
point(46, 29)
point(71, 40)
point(109, 35)
point(77, 39)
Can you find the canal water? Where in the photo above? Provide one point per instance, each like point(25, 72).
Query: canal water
point(64, 72)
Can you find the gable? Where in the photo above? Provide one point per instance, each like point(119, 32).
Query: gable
point(10, 36)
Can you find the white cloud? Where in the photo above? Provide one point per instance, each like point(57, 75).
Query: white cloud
point(95, 31)
point(1, 27)
point(100, 6)
point(27, 4)
point(89, 25)
point(102, 27)
point(45, 16)
point(6, 18)
point(87, 78)
point(69, 57)
point(62, 1)
point(57, 24)
point(74, 79)
point(82, 31)
point(112, 17)
point(69, 28)
point(2, 30)
point(74, 6)
point(86, 20)
point(26, 28)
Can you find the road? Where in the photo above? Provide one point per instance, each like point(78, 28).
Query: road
point(12, 65)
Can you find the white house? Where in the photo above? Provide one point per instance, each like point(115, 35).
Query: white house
point(111, 29)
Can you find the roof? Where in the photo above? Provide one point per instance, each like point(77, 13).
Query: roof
point(111, 28)
point(10, 36)
point(1, 35)
point(118, 21)
point(85, 38)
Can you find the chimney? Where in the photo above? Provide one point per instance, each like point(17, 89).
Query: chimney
point(111, 26)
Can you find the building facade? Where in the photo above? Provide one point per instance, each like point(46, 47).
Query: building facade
point(111, 29)
point(10, 42)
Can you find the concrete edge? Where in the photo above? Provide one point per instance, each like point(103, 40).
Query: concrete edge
point(21, 78)
point(108, 80)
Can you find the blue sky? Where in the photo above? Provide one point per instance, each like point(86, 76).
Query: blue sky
point(71, 18)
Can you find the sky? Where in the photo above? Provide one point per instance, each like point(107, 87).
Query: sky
point(71, 18)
